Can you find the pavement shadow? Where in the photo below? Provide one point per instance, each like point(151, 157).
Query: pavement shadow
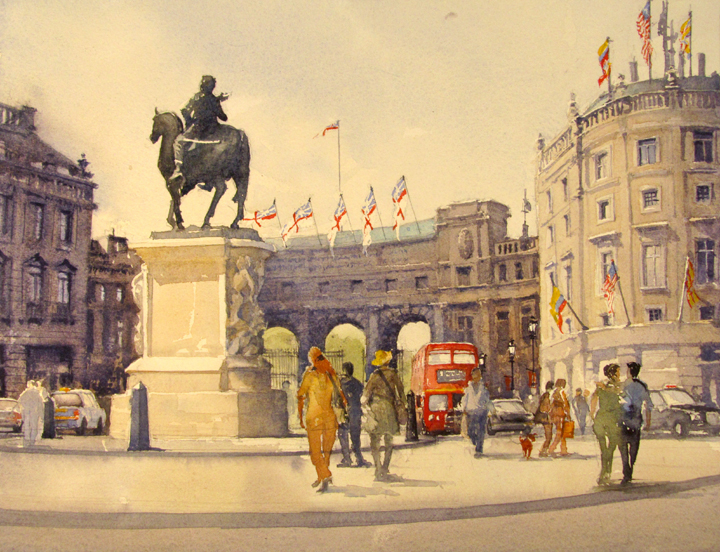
point(380, 488)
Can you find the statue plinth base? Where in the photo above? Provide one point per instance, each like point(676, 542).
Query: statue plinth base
point(200, 337)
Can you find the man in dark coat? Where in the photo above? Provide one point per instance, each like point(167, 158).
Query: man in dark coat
point(353, 391)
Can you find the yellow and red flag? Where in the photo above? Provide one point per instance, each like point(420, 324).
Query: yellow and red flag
point(604, 59)
point(690, 294)
point(686, 36)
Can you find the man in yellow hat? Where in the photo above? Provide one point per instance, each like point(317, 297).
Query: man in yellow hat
point(383, 390)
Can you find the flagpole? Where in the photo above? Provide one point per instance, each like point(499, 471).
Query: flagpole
point(339, 179)
point(377, 208)
point(650, 56)
point(317, 230)
point(411, 205)
point(690, 54)
point(572, 310)
point(347, 214)
point(683, 292)
point(279, 224)
point(609, 79)
point(622, 296)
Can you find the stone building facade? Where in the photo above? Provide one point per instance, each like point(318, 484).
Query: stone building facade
point(112, 314)
point(460, 273)
point(46, 204)
point(634, 179)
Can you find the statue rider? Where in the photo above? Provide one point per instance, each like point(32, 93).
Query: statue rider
point(201, 116)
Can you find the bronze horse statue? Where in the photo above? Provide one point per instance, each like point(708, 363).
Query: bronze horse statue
point(223, 155)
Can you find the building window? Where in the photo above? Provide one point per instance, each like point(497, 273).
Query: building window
point(703, 193)
point(602, 166)
point(287, 290)
point(604, 210)
point(502, 272)
point(566, 218)
point(565, 189)
point(519, 274)
point(606, 259)
point(568, 324)
point(651, 199)
point(356, 286)
point(535, 268)
point(704, 261)
point(463, 275)
point(465, 329)
point(647, 152)
point(421, 282)
point(324, 288)
point(4, 291)
point(5, 215)
point(37, 213)
point(64, 280)
point(102, 293)
point(65, 229)
point(702, 143)
point(568, 281)
point(654, 314)
point(120, 334)
point(119, 294)
point(549, 201)
point(707, 313)
point(606, 319)
point(550, 235)
point(653, 266)
point(34, 291)
point(391, 284)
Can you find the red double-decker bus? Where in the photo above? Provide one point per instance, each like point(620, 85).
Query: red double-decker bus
point(440, 373)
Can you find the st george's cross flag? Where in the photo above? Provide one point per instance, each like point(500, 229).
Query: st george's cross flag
point(399, 193)
point(340, 212)
point(302, 213)
point(368, 208)
point(268, 214)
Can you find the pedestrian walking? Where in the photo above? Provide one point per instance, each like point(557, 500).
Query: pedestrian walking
point(605, 411)
point(48, 429)
point(476, 405)
point(559, 414)
point(316, 388)
point(580, 409)
point(383, 392)
point(634, 396)
point(32, 409)
point(542, 416)
point(349, 431)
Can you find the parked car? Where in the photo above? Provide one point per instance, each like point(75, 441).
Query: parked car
point(676, 410)
point(10, 416)
point(510, 415)
point(78, 410)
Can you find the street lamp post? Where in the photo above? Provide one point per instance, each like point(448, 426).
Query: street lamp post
point(532, 333)
point(481, 362)
point(511, 351)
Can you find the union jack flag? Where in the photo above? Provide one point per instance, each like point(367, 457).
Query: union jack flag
point(643, 28)
point(303, 213)
point(611, 279)
point(268, 214)
point(399, 192)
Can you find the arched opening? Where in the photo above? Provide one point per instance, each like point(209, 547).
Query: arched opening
point(347, 343)
point(411, 338)
point(281, 351)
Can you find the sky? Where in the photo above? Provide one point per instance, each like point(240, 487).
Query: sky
point(451, 94)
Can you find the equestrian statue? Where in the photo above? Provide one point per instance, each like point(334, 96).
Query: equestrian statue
point(202, 153)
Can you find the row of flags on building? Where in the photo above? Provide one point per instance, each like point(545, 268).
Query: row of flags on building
point(643, 24)
point(558, 302)
point(369, 215)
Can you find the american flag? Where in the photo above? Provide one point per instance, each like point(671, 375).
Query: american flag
point(398, 193)
point(611, 279)
point(643, 28)
point(268, 214)
point(303, 213)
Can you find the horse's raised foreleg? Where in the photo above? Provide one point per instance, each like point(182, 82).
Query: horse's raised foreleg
point(220, 188)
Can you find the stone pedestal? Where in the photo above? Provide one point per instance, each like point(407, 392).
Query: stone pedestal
point(200, 337)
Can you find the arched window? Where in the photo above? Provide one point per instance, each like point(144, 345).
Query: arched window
point(34, 292)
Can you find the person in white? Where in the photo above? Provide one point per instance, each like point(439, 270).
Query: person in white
point(33, 410)
point(476, 405)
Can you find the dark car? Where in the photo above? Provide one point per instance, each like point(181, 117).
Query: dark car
point(676, 410)
point(509, 415)
point(10, 417)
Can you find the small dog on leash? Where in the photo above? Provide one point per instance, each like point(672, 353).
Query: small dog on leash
point(526, 441)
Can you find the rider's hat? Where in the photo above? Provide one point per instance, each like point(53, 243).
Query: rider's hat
point(382, 358)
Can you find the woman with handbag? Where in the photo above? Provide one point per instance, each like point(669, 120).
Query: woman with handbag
point(559, 415)
point(385, 399)
point(318, 385)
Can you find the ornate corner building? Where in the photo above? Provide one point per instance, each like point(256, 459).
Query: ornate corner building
point(634, 180)
point(46, 204)
point(460, 273)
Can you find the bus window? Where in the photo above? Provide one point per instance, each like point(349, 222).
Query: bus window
point(439, 357)
point(451, 376)
point(462, 357)
point(437, 403)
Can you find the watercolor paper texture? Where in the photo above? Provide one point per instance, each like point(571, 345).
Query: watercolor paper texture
point(538, 180)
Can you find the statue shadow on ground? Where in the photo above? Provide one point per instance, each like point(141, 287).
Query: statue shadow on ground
point(520, 458)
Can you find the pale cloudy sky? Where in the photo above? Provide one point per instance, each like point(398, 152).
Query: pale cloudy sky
point(450, 93)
